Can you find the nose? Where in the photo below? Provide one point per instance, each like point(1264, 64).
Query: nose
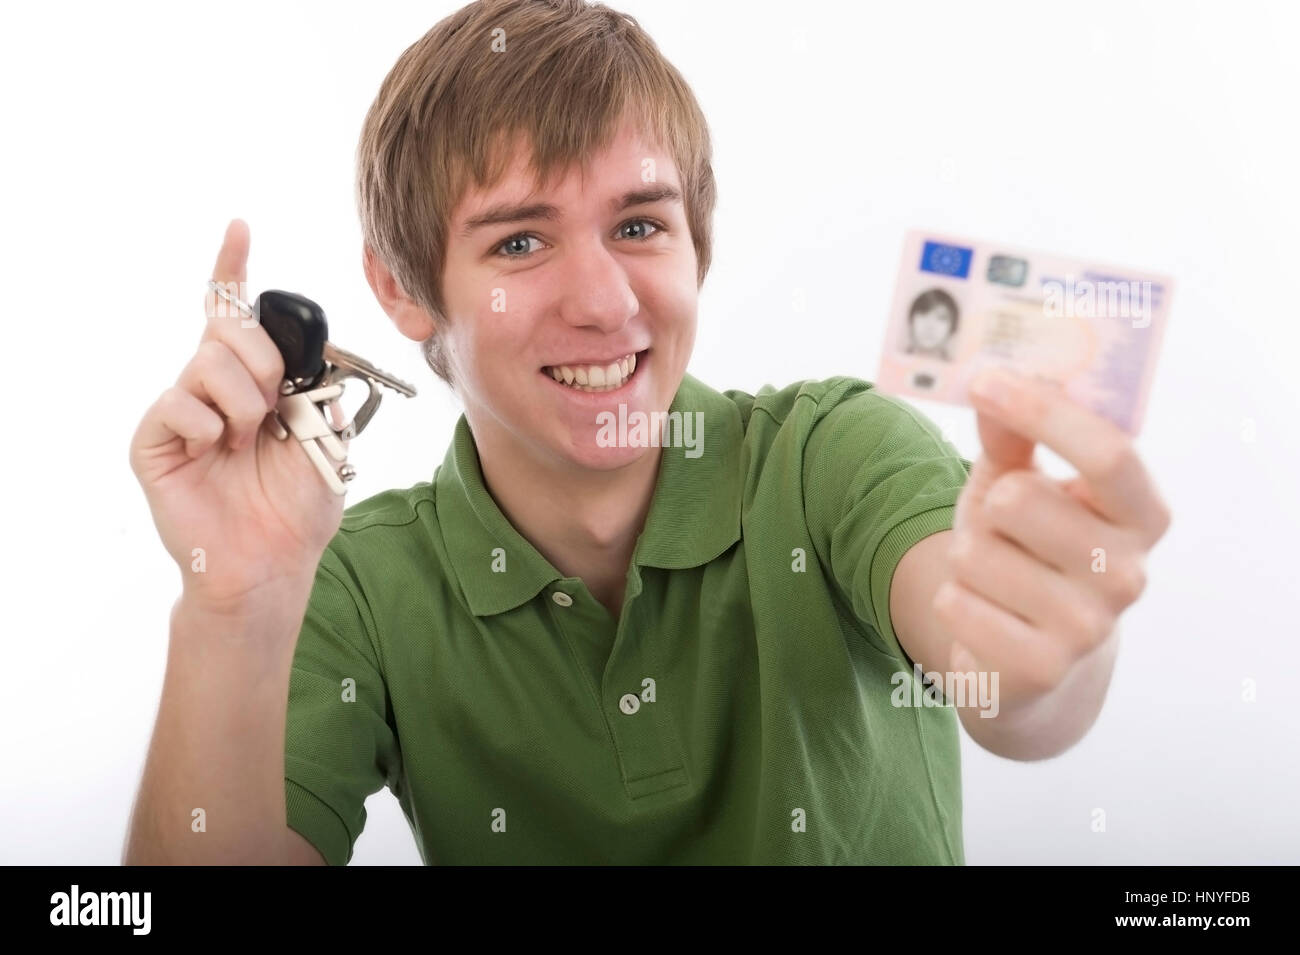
point(596, 291)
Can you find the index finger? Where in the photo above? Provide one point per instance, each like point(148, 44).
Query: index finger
point(230, 270)
point(1118, 485)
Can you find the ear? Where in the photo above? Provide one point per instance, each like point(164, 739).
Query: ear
point(411, 319)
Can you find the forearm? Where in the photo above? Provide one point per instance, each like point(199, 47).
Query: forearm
point(1054, 723)
point(218, 743)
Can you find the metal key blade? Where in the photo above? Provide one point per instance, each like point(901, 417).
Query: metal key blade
point(303, 416)
point(345, 359)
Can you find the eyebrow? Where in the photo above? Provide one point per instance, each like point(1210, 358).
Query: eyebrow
point(510, 212)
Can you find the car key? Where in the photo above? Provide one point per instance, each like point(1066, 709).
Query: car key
point(314, 374)
point(297, 326)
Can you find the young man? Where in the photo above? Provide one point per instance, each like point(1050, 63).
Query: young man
point(563, 649)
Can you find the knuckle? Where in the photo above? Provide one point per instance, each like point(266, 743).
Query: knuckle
point(167, 399)
point(273, 367)
point(1045, 675)
point(212, 353)
point(248, 404)
point(1164, 518)
point(1027, 483)
point(1089, 624)
point(213, 424)
point(263, 359)
point(962, 552)
point(249, 413)
point(170, 401)
point(1007, 493)
point(264, 369)
point(1116, 458)
point(944, 603)
point(1132, 582)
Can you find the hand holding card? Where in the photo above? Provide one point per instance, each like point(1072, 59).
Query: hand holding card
point(1053, 352)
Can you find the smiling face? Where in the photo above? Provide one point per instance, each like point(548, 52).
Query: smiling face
point(931, 328)
point(607, 272)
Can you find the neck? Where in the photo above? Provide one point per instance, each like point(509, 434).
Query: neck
point(585, 522)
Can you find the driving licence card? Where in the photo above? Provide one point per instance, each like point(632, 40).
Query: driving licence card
point(961, 305)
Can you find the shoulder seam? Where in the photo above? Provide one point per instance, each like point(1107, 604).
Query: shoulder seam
point(830, 382)
point(921, 422)
point(380, 519)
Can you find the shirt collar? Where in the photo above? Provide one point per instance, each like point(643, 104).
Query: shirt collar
point(694, 514)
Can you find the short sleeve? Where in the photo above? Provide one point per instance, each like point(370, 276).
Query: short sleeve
point(340, 746)
point(878, 477)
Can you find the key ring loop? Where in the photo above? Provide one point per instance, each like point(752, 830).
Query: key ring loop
point(338, 375)
point(235, 300)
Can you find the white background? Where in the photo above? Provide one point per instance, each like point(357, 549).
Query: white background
point(1158, 136)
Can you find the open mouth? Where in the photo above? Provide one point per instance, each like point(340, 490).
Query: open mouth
point(597, 379)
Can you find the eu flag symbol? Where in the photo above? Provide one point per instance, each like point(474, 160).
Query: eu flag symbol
point(946, 259)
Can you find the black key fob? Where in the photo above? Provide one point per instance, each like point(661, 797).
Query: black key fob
point(297, 326)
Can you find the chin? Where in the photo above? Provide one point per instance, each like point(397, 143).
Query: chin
point(590, 455)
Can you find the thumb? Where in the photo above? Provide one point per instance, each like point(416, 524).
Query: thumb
point(232, 260)
point(231, 268)
point(1006, 450)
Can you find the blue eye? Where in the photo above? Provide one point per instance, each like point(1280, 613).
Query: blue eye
point(642, 222)
point(655, 226)
point(522, 237)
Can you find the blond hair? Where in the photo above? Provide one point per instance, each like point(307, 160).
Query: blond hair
point(451, 105)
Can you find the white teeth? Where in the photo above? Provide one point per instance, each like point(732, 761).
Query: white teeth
point(595, 377)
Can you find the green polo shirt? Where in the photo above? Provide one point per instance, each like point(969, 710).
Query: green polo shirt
point(740, 710)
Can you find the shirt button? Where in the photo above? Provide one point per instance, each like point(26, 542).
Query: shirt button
point(629, 703)
point(561, 598)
